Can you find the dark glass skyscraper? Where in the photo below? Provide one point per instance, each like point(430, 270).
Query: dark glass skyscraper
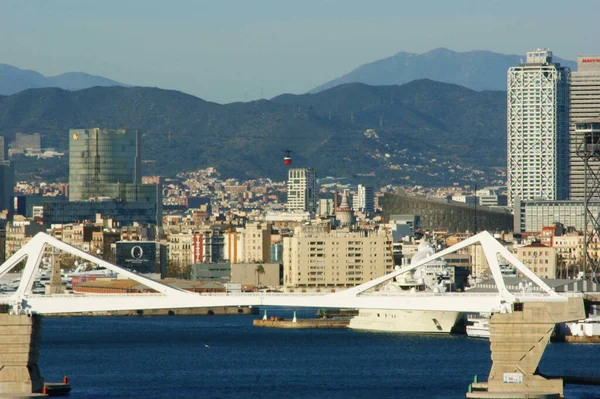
point(7, 179)
point(101, 158)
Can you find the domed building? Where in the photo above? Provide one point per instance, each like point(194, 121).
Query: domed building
point(344, 214)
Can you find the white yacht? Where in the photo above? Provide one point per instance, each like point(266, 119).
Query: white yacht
point(589, 327)
point(479, 326)
point(434, 277)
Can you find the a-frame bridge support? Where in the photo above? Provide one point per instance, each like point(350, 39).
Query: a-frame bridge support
point(517, 343)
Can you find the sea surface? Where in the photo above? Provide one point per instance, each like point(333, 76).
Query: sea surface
point(226, 357)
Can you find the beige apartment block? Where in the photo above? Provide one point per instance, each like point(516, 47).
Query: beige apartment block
point(233, 250)
point(569, 248)
point(478, 261)
point(479, 264)
point(18, 233)
point(179, 250)
point(72, 234)
point(539, 258)
point(256, 243)
point(318, 257)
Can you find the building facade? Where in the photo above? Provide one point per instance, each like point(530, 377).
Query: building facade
point(446, 215)
point(584, 105)
point(255, 275)
point(7, 180)
point(532, 216)
point(144, 208)
point(302, 190)
point(539, 258)
point(364, 201)
point(316, 257)
point(256, 242)
point(538, 129)
point(101, 158)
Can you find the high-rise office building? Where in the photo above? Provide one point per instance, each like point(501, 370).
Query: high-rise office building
point(105, 177)
point(101, 158)
point(7, 179)
point(364, 200)
point(538, 129)
point(302, 190)
point(584, 107)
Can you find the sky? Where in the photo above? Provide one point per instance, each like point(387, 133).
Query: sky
point(241, 50)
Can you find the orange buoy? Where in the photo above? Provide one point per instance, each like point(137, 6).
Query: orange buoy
point(65, 380)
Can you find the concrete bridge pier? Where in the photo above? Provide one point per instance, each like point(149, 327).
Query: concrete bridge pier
point(19, 353)
point(517, 342)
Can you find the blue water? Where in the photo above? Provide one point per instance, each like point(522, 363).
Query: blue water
point(226, 357)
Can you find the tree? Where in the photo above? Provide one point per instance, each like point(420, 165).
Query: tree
point(260, 269)
point(561, 266)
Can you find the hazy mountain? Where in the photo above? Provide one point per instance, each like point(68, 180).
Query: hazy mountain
point(424, 132)
point(14, 80)
point(477, 70)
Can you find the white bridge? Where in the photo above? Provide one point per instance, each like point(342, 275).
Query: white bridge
point(362, 296)
point(518, 335)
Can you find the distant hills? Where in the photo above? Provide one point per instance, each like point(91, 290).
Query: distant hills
point(423, 132)
point(477, 70)
point(14, 80)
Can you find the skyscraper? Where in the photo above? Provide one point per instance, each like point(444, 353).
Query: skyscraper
point(364, 201)
point(302, 190)
point(584, 107)
point(538, 129)
point(101, 158)
point(7, 179)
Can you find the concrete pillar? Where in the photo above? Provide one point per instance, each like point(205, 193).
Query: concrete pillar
point(518, 340)
point(19, 352)
point(56, 285)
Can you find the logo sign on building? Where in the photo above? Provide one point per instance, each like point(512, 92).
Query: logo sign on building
point(513, 378)
point(137, 256)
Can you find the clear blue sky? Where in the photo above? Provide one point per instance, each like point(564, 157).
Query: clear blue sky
point(230, 50)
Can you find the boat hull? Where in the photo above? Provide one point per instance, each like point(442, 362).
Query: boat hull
point(406, 321)
point(478, 332)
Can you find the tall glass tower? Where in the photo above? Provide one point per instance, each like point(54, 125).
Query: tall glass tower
point(101, 159)
point(538, 129)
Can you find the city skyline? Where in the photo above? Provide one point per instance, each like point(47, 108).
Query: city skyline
point(263, 51)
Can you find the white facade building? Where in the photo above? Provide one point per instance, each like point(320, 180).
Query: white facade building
point(364, 200)
point(302, 190)
point(585, 105)
point(326, 207)
point(538, 129)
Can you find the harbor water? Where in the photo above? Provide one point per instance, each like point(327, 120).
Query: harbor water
point(226, 357)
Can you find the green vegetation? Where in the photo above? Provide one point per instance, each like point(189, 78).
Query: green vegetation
point(413, 124)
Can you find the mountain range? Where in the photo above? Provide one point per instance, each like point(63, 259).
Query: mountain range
point(423, 132)
point(477, 70)
point(14, 80)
